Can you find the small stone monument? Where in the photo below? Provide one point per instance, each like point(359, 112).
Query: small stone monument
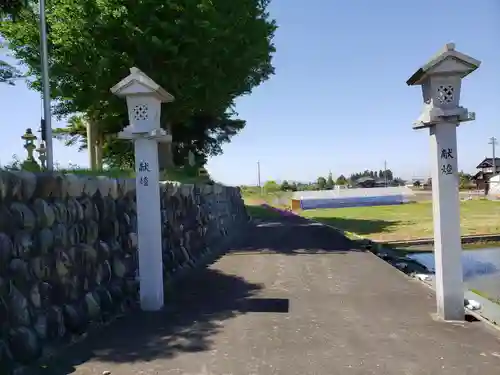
point(30, 163)
point(441, 79)
point(144, 98)
point(29, 144)
point(42, 154)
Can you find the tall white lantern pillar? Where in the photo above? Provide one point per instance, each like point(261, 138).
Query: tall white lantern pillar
point(441, 80)
point(144, 98)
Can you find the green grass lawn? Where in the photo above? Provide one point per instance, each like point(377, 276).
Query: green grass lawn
point(407, 221)
point(279, 199)
point(259, 212)
point(254, 200)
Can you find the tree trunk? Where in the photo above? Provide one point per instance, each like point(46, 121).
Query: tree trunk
point(98, 148)
point(165, 159)
point(165, 153)
point(91, 144)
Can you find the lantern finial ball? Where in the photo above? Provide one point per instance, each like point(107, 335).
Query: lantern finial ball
point(450, 46)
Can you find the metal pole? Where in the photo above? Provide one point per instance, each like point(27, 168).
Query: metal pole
point(493, 142)
point(258, 176)
point(385, 173)
point(44, 56)
point(91, 145)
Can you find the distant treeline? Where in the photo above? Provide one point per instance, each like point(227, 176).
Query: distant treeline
point(326, 183)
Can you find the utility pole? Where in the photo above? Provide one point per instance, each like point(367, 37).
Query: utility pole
point(385, 173)
point(493, 142)
point(44, 56)
point(258, 176)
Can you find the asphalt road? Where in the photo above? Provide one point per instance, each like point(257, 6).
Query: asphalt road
point(292, 299)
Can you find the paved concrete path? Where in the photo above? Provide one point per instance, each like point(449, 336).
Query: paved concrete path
point(292, 299)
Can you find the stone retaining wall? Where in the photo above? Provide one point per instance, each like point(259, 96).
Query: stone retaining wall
point(68, 252)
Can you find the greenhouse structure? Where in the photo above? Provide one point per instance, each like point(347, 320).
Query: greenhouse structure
point(337, 198)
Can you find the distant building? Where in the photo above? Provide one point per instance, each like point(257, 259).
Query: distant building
point(370, 182)
point(416, 183)
point(365, 182)
point(482, 177)
point(428, 184)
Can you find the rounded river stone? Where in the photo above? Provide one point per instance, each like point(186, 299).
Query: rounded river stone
point(60, 212)
point(23, 216)
point(28, 184)
point(60, 233)
point(18, 308)
point(6, 251)
point(75, 318)
point(44, 213)
point(24, 345)
point(23, 244)
point(44, 241)
point(55, 322)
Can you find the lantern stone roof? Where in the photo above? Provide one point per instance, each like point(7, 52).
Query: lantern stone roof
point(137, 83)
point(448, 60)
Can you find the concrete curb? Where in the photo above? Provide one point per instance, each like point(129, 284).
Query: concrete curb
point(430, 241)
point(489, 313)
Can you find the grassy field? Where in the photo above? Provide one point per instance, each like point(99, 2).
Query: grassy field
point(253, 196)
point(407, 221)
point(259, 212)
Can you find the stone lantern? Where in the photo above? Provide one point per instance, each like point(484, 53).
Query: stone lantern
point(29, 144)
point(144, 99)
point(441, 81)
point(42, 154)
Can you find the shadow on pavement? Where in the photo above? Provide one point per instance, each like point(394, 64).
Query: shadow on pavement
point(284, 232)
point(195, 314)
point(201, 302)
point(292, 235)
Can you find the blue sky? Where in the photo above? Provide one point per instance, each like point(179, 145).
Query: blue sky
point(339, 100)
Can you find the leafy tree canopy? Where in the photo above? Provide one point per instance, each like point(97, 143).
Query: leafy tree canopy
point(330, 184)
point(11, 8)
point(285, 186)
point(205, 52)
point(341, 180)
point(8, 73)
point(271, 186)
point(321, 182)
